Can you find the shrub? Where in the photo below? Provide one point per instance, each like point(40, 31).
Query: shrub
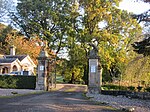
point(139, 88)
point(113, 87)
point(17, 82)
point(147, 89)
point(131, 88)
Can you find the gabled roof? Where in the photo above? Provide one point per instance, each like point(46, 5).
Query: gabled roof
point(31, 60)
point(20, 57)
point(7, 60)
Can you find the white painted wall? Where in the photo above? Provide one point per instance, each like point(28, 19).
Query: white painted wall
point(26, 62)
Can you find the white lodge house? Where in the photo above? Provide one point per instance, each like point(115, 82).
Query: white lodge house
point(12, 62)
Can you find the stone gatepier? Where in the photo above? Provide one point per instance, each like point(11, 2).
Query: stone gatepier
point(42, 71)
point(94, 84)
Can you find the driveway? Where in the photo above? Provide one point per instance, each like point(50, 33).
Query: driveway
point(67, 98)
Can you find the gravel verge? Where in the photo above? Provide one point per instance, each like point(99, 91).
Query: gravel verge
point(13, 92)
point(121, 102)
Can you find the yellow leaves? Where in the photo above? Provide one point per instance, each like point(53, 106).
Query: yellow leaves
point(141, 69)
point(126, 40)
point(121, 59)
point(96, 10)
point(106, 57)
point(75, 6)
point(117, 2)
point(110, 55)
point(123, 23)
point(25, 46)
point(105, 35)
point(91, 16)
point(109, 18)
point(97, 1)
point(115, 35)
point(114, 40)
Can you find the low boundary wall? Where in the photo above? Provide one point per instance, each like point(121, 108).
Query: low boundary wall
point(130, 94)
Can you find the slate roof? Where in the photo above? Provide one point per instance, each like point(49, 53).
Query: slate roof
point(7, 60)
point(20, 57)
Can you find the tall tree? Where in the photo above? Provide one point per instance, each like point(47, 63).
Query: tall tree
point(47, 19)
point(101, 23)
point(77, 53)
point(111, 29)
point(88, 21)
point(24, 46)
point(4, 32)
point(77, 60)
point(143, 46)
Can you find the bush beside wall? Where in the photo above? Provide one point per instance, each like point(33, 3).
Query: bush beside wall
point(17, 82)
point(113, 87)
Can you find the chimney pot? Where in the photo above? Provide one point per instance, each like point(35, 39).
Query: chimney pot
point(12, 50)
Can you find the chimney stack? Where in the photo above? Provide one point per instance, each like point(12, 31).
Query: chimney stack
point(12, 50)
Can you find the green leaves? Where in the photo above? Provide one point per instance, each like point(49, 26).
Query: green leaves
point(114, 38)
point(46, 19)
point(142, 47)
point(74, 24)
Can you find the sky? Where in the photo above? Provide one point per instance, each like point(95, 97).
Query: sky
point(135, 7)
point(129, 5)
point(132, 6)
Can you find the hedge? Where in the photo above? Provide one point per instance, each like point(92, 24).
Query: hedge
point(17, 82)
point(147, 89)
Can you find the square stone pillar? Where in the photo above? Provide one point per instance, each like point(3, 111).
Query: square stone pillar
point(42, 71)
point(94, 76)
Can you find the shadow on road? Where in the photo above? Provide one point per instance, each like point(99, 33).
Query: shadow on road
point(66, 98)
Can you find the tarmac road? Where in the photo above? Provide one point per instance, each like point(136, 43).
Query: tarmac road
point(55, 101)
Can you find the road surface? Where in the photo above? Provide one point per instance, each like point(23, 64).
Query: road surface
point(62, 100)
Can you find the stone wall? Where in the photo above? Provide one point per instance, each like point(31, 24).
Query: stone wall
point(130, 94)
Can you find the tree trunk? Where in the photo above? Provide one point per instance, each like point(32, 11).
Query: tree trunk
point(72, 81)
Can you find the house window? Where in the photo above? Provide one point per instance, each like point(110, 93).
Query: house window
point(25, 67)
point(15, 68)
point(4, 70)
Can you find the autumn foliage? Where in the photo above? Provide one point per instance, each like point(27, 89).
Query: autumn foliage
point(25, 46)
